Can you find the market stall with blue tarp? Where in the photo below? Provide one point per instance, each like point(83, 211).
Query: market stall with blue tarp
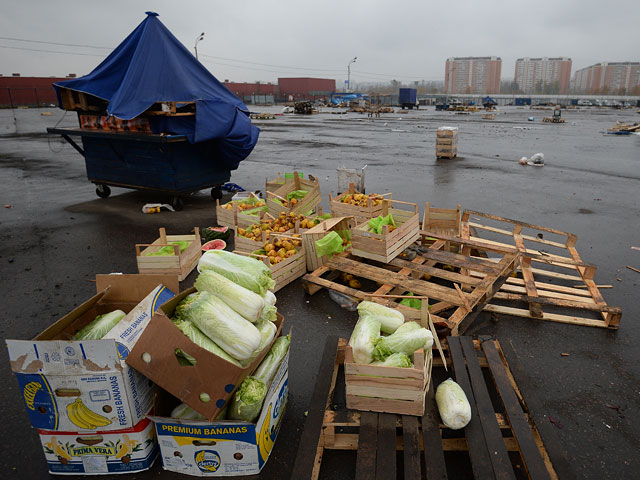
point(151, 89)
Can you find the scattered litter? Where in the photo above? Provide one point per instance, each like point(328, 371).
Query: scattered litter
point(232, 187)
point(555, 422)
point(613, 407)
point(564, 354)
point(345, 301)
point(156, 207)
point(608, 426)
point(397, 130)
point(46, 114)
point(634, 269)
point(632, 248)
point(9, 206)
point(536, 160)
point(531, 119)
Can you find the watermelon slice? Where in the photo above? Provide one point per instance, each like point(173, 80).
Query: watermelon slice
point(214, 233)
point(214, 245)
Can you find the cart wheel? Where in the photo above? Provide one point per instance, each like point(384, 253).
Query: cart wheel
point(103, 191)
point(177, 203)
point(216, 193)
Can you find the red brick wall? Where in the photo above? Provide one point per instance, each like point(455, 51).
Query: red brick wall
point(28, 90)
point(241, 89)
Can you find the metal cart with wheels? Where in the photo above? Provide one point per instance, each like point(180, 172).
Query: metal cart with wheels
point(164, 163)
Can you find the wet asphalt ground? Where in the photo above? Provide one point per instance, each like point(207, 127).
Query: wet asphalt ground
point(57, 235)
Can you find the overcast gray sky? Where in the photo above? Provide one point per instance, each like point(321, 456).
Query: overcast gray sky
point(263, 40)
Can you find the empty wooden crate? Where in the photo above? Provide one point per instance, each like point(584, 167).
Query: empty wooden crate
point(388, 245)
point(180, 263)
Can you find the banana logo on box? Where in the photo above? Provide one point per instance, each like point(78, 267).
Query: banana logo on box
point(271, 426)
point(207, 460)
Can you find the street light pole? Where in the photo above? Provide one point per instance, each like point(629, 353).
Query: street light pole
point(349, 73)
point(195, 46)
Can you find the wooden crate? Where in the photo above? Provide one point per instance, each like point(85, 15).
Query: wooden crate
point(378, 388)
point(180, 264)
point(441, 220)
point(304, 205)
point(545, 253)
point(247, 245)
point(388, 245)
point(286, 271)
point(360, 214)
point(511, 438)
point(310, 236)
point(446, 142)
point(235, 216)
point(488, 116)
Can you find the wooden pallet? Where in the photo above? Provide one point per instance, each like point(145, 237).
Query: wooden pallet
point(457, 295)
point(498, 442)
point(573, 290)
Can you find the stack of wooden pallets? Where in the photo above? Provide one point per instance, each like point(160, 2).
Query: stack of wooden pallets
point(447, 142)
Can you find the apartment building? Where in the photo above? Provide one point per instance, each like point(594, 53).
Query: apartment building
point(612, 78)
point(543, 75)
point(472, 75)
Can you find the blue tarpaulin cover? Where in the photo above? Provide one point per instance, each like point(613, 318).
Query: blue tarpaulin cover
point(151, 65)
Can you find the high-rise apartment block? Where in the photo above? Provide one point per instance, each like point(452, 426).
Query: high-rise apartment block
point(472, 75)
point(612, 78)
point(543, 75)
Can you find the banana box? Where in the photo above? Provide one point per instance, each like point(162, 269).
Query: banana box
point(226, 447)
point(85, 385)
point(120, 451)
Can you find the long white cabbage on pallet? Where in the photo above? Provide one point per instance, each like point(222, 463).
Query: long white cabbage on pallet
point(453, 405)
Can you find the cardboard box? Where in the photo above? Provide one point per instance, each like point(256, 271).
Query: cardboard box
point(211, 378)
point(227, 447)
point(83, 385)
point(120, 451)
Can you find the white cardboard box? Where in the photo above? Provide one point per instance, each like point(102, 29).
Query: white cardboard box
point(227, 447)
point(55, 372)
point(120, 451)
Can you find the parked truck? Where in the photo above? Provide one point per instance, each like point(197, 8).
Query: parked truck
point(408, 98)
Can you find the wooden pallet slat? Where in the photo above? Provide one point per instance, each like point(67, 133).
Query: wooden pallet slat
point(434, 464)
point(367, 446)
point(495, 444)
point(307, 464)
point(478, 451)
point(411, 441)
point(386, 454)
point(519, 425)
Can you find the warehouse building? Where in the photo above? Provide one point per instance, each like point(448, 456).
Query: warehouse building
point(28, 91)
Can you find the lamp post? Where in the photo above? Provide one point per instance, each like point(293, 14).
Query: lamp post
point(195, 46)
point(349, 73)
